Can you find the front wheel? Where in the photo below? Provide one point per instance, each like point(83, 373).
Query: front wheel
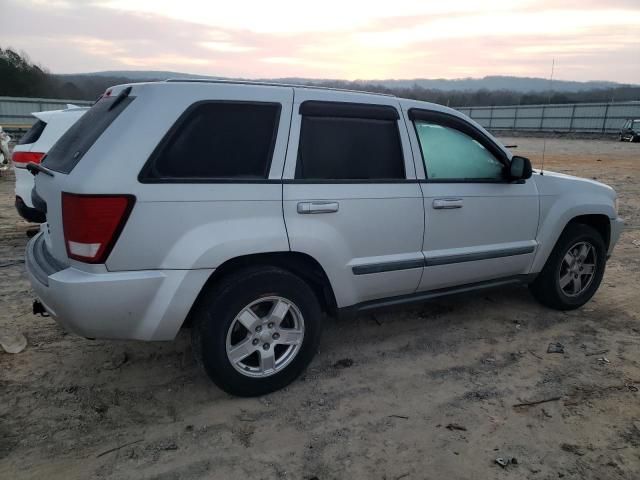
point(574, 269)
point(256, 330)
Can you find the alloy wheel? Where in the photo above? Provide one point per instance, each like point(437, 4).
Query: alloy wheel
point(577, 269)
point(265, 336)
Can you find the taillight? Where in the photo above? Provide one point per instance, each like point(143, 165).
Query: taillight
point(22, 158)
point(92, 224)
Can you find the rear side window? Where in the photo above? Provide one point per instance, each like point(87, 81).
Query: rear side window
point(217, 140)
point(33, 134)
point(71, 147)
point(349, 143)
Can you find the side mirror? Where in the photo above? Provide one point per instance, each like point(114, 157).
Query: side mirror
point(520, 168)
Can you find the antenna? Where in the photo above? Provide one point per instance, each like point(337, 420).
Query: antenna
point(544, 139)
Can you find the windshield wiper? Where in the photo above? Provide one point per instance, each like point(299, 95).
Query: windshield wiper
point(36, 168)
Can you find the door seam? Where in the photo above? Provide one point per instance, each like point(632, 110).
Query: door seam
point(284, 164)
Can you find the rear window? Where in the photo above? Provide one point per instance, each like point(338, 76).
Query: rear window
point(217, 140)
point(33, 134)
point(71, 147)
point(352, 142)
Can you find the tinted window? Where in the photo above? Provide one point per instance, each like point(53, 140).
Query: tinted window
point(338, 148)
point(33, 134)
point(71, 147)
point(450, 154)
point(218, 140)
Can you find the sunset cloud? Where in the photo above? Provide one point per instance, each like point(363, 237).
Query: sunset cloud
point(590, 39)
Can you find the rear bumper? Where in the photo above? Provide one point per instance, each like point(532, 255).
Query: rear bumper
point(140, 305)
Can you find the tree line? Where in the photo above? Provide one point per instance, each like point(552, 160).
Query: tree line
point(20, 77)
point(485, 97)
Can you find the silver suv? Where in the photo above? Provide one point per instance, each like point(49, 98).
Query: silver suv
point(249, 211)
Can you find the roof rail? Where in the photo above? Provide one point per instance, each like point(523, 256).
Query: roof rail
point(272, 84)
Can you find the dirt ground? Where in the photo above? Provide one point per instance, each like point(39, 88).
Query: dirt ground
point(416, 393)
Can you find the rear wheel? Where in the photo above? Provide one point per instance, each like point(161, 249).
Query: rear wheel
point(257, 330)
point(574, 269)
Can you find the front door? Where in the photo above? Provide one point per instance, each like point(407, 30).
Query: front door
point(478, 225)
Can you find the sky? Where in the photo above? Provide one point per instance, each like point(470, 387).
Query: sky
point(338, 39)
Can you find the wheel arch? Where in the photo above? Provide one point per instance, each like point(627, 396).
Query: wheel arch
point(601, 222)
point(300, 264)
point(548, 287)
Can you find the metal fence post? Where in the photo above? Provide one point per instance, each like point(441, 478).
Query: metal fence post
point(573, 114)
point(515, 117)
point(542, 118)
point(604, 120)
point(490, 116)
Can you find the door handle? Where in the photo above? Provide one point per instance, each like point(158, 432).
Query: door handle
point(318, 207)
point(447, 203)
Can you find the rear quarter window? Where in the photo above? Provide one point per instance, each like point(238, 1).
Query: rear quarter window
point(74, 144)
point(33, 134)
point(214, 140)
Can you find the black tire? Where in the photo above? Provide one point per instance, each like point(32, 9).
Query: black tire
point(224, 300)
point(546, 287)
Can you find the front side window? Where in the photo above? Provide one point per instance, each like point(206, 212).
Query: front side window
point(347, 148)
point(450, 154)
point(218, 140)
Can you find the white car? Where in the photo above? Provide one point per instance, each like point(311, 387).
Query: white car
point(32, 147)
point(248, 211)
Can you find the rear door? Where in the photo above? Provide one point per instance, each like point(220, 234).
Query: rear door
point(350, 196)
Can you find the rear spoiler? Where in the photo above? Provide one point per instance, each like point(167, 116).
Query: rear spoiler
point(45, 114)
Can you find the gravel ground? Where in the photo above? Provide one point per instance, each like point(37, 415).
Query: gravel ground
point(422, 392)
